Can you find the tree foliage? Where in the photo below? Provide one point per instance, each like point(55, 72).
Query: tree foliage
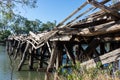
point(48, 25)
point(7, 7)
point(16, 24)
point(9, 20)
point(22, 25)
point(4, 34)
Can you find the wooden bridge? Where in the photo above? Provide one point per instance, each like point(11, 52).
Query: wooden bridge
point(89, 40)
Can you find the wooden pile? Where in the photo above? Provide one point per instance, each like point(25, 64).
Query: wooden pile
point(90, 40)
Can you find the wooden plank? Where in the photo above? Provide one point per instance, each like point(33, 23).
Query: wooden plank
point(43, 51)
point(101, 13)
point(83, 13)
point(110, 27)
point(61, 38)
point(91, 23)
point(49, 47)
point(106, 58)
point(70, 55)
point(105, 8)
point(111, 39)
point(51, 62)
point(58, 61)
point(31, 58)
point(16, 51)
point(34, 35)
point(23, 57)
point(92, 46)
point(73, 13)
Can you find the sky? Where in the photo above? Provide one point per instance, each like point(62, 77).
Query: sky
point(50, 10)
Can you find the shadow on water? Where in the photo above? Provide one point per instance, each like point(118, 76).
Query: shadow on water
point(5, 71)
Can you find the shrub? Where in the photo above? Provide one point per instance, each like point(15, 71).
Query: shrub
point(78, 72)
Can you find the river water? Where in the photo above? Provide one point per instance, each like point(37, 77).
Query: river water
point(5, 69)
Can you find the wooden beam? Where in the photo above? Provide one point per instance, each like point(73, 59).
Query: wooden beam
point(34, 35)
point(110, 39)
point(52, 61)
point(16, 50)
point(61, 38)
point(92, 23)
point(110, 27)
point(70, 55)
point(31, 58)
point(58, 61)
point(73, 13)
point(49, 47)
point(106, 58)
point(43, 51)
point(92, 46)
point(83, 13)
point(104, 8)
point(102, 13)
point(23, 57)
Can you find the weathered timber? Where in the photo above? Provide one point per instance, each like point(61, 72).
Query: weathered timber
point(42, 40)
point(70, 55)
point(52, 61)
point(102, 13)
point(8, 47)
point(12, 44)
point(61, 38)
point(58, 61)
point(110, 39)
point(16, 51)
point(90, 24)
point(104, 8)
point(83, 5)
point(34, 35)
point(83, 13)
point(106, 58)
point(23, 58)
point(110, 27)
point(98, 15)
point(49, 48)
point(80, 52)
point(92, 46)
point(42, 57)
point(31, 58)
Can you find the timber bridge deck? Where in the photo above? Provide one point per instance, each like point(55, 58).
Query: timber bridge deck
point(99, 33)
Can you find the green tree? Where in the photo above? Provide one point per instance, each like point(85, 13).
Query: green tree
point(32, 25)
point(18, 24)
point(47, 26)
point(7, 6)
point(4, 34)
point(22, 25)
point(11, 21)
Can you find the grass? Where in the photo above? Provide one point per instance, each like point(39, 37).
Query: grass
point(78, 72)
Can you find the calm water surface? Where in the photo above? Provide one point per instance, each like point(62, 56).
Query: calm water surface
point(5, 70)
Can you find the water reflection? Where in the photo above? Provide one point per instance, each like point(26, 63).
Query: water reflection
point(5, 71)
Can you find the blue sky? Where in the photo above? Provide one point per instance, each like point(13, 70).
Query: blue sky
point(50, 10)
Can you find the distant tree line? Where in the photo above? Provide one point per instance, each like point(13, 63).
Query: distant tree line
point(12, 23)
point(21, 25)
